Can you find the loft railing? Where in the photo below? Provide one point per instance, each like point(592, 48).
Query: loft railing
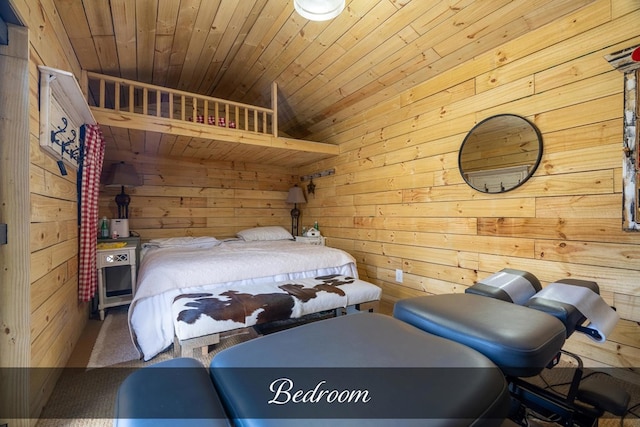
point(122, 95)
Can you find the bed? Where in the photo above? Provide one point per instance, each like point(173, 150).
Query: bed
point(171, 267)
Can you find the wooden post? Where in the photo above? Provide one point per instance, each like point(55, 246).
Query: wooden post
point(131, 99)
point(158, 103)
point(274, 107)
point(265, 125)
point(116, 96)
point(145, 101)
point(15, 350)
point(255, 121)
point(102, 93)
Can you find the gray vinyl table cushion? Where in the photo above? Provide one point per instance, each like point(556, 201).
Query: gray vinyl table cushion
point(414, 378)
point(520, 340)
point(176, 392)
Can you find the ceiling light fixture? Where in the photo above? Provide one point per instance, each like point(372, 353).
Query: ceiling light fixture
point(319, 10)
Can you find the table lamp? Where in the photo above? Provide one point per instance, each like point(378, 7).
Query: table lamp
point(295, 196)
point(122, 175)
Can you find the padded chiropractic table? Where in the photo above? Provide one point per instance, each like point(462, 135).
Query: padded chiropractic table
point(410, 376)
point(442, 360)
point(317, 374)
point(525, 339)
point(520, 340)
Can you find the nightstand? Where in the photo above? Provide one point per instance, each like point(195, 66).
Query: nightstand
point(117, 273)
point(319, 240)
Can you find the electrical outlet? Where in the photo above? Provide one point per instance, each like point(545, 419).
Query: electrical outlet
point(398, 275)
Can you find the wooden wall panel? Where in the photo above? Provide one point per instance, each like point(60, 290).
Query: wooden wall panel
point(397, 200)
point(56, 316)
point(184, 196)
point(14, 255)
point(411, 210)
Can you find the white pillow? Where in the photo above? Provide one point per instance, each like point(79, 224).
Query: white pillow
point(191, 242)
point(265, 233)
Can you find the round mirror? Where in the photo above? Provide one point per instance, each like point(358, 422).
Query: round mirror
point(500, 153)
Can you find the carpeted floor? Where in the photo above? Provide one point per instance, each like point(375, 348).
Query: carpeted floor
point(85, 397)
point(113, 344)
point(85, 393)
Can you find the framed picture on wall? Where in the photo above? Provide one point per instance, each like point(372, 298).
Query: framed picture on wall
point(627, 61)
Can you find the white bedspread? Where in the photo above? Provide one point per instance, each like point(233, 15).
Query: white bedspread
point(166, 272)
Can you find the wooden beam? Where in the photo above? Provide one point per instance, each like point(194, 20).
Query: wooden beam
point(123, 119)
point(15, 255)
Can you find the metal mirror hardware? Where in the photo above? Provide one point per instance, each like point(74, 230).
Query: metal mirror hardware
point(500, 153)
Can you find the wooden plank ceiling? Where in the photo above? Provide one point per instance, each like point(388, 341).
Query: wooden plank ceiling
point(327, 72)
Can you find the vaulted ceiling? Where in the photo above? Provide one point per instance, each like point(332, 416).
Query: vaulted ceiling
point(326, 71)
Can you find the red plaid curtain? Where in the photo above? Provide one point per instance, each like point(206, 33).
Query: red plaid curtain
point(91, 169)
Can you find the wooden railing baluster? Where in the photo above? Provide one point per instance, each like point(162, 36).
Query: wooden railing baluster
point(228, 113)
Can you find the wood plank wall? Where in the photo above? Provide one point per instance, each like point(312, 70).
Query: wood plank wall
point(187, 197)
point(397, 200)
point(57, 318)
point(14, 255)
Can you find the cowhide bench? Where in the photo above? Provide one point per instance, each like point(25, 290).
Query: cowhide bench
point(200, 318)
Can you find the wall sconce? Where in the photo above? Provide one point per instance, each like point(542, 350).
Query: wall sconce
point(122, 175)
point(295, 196)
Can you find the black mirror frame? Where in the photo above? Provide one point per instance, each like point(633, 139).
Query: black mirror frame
point(533, 169)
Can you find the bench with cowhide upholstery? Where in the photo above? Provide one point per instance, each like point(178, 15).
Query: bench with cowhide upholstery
point(200, 318)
